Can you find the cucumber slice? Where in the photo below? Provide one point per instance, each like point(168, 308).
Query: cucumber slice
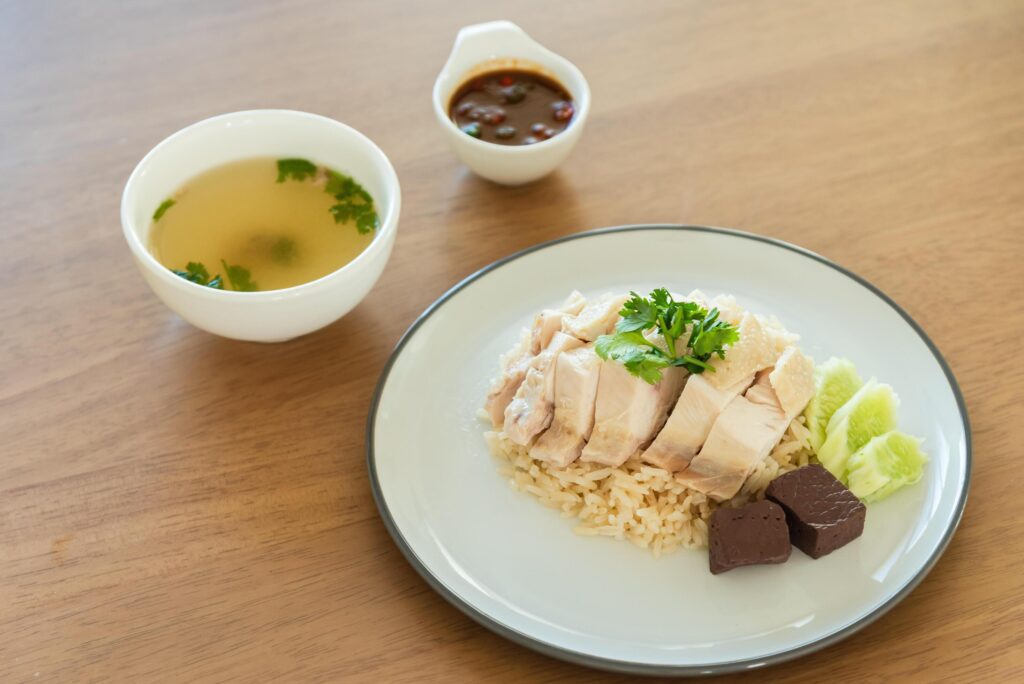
point(869, 413)
point(835, 383)
point(885, 464)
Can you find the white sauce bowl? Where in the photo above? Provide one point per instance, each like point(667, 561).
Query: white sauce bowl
point(273, 315)
point(482, 48)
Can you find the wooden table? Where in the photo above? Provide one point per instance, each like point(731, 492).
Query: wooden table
point(178, 506)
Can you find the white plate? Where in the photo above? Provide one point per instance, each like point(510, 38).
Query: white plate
point(517, 567)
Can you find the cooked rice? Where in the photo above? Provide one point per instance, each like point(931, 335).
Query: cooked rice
point(636, 501)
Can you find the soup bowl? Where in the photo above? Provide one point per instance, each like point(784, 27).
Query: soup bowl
point(272, 315)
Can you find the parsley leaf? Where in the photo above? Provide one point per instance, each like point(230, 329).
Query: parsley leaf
point(711, 336)
point(637, 314)
point(162, 209)
point(195, 272)
point(668, 318)
point(239, 277)
point(354, 203)
point(340, 185)
point(296, 169)
point(283, 250)
point(635, 352)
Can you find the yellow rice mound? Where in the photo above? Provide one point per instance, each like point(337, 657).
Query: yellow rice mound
point(636, 501)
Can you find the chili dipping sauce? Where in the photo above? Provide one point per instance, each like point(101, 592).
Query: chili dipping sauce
point(512, 107)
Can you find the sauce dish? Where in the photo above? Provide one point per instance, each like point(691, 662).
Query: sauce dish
point(501, 45)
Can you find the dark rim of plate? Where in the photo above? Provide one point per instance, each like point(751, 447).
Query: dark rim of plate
point(634, 667)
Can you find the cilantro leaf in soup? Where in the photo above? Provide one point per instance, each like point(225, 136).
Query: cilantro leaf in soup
point(282, 251)
point(162, 209)
point(354, 202)
point(367, 222)
point(239, 277)
point(195, 272)
point(296, 169)
point(342, 186)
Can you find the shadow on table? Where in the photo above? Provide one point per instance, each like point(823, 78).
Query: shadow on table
point(218, 389)
point(507, 219)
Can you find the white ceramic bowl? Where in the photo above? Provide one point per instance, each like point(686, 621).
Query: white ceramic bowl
point(502, 45)
point(274, 315)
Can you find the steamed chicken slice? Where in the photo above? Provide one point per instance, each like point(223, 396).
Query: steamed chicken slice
point(629, 412)
point(742, 436)
point(752, 352)
point(698, 297)
point(516, 363)
point(549, 321)
point(706, 396)
point(690, 422)
point(750, 427)
point(792, 381)
point(731, 312)
point(576, 380)
point(597, 318)
point(532, 407)
point(729, 309)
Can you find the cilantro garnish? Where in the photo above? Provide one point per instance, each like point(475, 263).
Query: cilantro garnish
point(239, 277)
point(196, 273)
point(283, 250)
point(296, 169)
point(162, 209)
point(635, 352)
point(353, 202)
point(668, 318)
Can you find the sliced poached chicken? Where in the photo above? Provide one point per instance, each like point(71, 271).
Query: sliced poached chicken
point(597, 318)
point(690, 422)
point(705, 396)
point(532, 407)
point(576, 381)
point(516, 363)
point(549, 321)
point(750, 426)
point(629, 412)
point(752, 352)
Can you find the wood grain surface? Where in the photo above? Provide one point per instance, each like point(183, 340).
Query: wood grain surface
point(175, 506)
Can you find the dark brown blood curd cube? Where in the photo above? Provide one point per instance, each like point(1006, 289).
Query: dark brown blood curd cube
point(823, 515)
point(754, 534)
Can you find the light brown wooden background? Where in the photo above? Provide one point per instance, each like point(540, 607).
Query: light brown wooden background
point(178, 506)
